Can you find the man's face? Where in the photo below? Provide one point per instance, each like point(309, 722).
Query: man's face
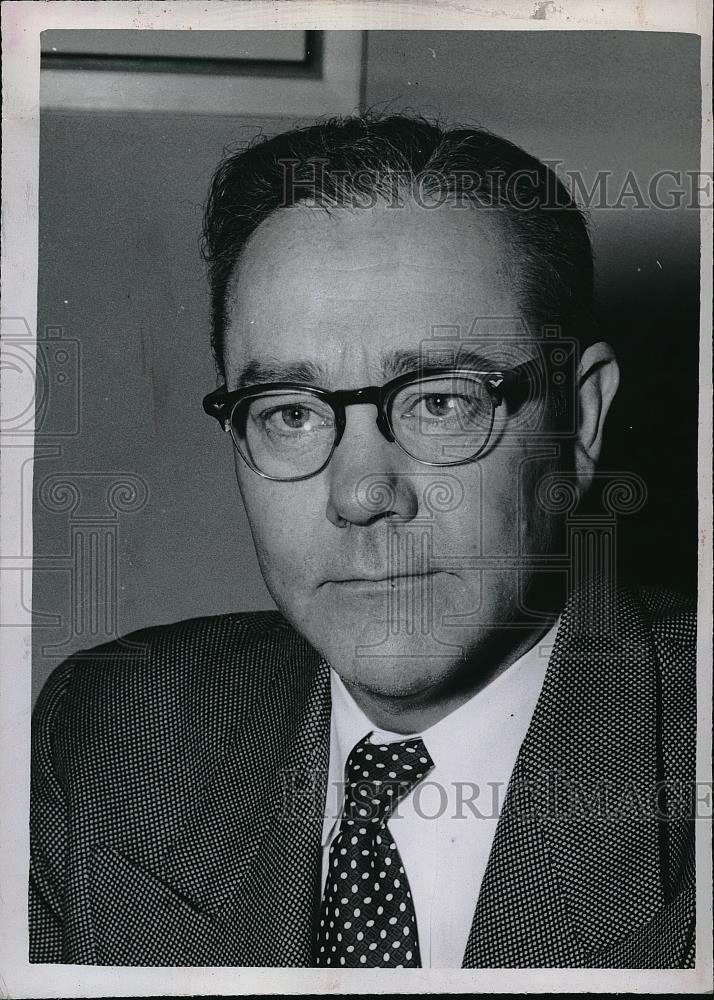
point(400, 583)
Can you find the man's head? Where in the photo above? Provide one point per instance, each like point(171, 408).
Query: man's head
point(347, 254)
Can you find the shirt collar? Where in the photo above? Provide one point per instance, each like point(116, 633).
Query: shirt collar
point(471, 737)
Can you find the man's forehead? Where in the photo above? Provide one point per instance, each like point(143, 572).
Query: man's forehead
point(362, 251)
point(311, 285)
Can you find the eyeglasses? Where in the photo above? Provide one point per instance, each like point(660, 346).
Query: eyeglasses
point(287, 431)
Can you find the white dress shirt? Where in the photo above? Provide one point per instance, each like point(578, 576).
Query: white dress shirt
point(444, 827)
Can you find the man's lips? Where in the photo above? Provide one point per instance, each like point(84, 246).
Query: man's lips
point(376, 580)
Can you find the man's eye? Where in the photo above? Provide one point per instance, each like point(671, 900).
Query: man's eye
point(292, 418)
point(296, 417)
point(440, 405)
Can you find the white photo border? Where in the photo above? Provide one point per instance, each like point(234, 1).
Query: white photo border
point(21, 26)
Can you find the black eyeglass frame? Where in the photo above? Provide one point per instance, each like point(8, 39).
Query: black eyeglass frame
point(222, 403)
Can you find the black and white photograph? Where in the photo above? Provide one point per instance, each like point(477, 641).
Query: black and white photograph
point(356, 498)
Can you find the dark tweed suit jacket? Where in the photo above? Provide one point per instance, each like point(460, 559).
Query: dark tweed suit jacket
point(178, 780)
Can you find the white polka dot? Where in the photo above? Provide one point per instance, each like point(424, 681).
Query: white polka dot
point(350, 947)
point(342, 959)
point(380, 911)
point(392, 920)
point(396, 944)
point(386, 956)
point(372, 946)
point(363, 959)
point(360, 935)
point(409, 955)
point(405, 931)
point(389, 896)
point(402, 907)
point(397, 883)
point(368, 899)
point(354, 888)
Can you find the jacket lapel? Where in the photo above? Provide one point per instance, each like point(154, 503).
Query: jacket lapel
point(575, 865)
point(251, 856)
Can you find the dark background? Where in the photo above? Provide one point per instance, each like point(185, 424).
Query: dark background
point(121, 198)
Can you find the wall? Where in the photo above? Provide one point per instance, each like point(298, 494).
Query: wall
point(120, 217)
point(120, 210)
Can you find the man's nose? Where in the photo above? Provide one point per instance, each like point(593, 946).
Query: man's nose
point(366, 482)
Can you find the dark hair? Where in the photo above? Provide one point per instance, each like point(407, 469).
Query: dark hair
point(362, 159)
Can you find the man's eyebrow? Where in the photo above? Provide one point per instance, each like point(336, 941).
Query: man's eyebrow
point(258, 372)
point(435, 356)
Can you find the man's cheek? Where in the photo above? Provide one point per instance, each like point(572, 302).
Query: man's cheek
point(284, 549)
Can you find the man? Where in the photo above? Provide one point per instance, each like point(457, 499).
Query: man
point(392, 305)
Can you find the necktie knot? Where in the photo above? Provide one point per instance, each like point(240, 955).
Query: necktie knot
point(378, 775)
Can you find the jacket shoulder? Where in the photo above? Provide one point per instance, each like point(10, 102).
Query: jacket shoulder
point(201, 673)
point(672, 620)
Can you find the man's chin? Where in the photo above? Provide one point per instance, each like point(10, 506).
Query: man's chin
point(388, 665)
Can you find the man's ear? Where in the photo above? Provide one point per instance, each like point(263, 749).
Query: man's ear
point(598, 378)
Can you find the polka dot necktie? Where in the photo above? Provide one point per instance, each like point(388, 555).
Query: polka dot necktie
point(367, 918)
